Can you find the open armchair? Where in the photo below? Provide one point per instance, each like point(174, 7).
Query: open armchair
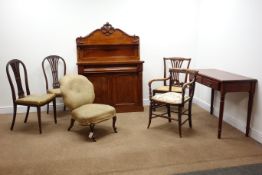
point(170, 99)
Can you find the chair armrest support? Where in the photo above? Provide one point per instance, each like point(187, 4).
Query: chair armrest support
point(154, 80)
point(191, 86)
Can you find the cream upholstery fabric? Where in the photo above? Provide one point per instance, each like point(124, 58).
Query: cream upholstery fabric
point(170, 97)
point(93, 113)
point(77, 90)
point(35, 99)
point(166, 88)
point(56, 91)
point(78, 93)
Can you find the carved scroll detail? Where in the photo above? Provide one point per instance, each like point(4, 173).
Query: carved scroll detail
point(107, 29)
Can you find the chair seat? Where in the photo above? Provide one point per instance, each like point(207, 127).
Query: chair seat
point(170, 97)
point(93, 113)
point(56, 91)
point(166, 89)
point(37, 100)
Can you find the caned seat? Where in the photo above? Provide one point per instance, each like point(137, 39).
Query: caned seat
point(78, 94)
point(24, 97)
point(161, 103)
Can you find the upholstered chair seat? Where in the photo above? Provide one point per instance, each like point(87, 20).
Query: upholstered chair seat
point(93, 113)
point(170, 97)
point(78, 94)
point(56, 91)
point(38, 100)
point(166, 89)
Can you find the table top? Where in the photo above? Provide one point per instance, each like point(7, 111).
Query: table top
point(223, 75)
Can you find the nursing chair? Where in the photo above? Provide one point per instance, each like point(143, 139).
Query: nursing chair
point(174, 102)
point(173, 62)
point(52, 73)
point(24, 97)
point(78, 94)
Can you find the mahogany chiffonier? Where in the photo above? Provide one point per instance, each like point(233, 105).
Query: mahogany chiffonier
point(110, 59)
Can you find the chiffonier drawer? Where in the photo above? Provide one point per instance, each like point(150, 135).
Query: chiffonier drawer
point(209, 82)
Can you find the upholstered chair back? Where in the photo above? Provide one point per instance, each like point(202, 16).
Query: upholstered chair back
point(77, 90)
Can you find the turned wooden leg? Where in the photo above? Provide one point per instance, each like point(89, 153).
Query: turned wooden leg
point(54, 108)
point(39, 119)
point(190, 113)
point(27, 113)
point(212, 101)
point(47, 108)
point(14, 117)
point(71, 124)
point(250, 105)
point(114, 124)
point(168, 112)
point(179, 121)
point(91, 134)
point(150, 114)
point(221, 112)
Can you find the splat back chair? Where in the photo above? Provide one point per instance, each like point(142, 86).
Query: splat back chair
point(176, 100)
point(78, 94)
point(24, 96)
point(50, 65)
point(173, 62)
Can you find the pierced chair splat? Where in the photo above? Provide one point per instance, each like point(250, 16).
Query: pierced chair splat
point(24, 97)
point(50, 66)
point(173, 62)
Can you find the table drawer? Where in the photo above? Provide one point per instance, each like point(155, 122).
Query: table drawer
point(210, 83)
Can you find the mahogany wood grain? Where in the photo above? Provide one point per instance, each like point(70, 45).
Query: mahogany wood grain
point(227, 82)
point(110, 59)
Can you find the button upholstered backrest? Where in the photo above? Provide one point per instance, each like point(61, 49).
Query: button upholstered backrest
point(77, 90)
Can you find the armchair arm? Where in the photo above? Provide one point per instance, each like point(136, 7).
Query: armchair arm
point(154, 80)
point(191, 86)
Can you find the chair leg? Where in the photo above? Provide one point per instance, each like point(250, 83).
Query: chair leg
point(190, 113)
point(27, 112)
point(47, 108)
point(168, 112)
point(91, 134)
point(179, 120)
point(71, 124)
point(150, 114)
point(39, 119)
point(14, 116)
point(114, 124)
point(64, 108)
point(54, 108)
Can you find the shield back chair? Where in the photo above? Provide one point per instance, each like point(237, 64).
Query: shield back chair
point(50, 66)
point(176, 100)
point(78, 94)
point(173, 62)
point(23, 96)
